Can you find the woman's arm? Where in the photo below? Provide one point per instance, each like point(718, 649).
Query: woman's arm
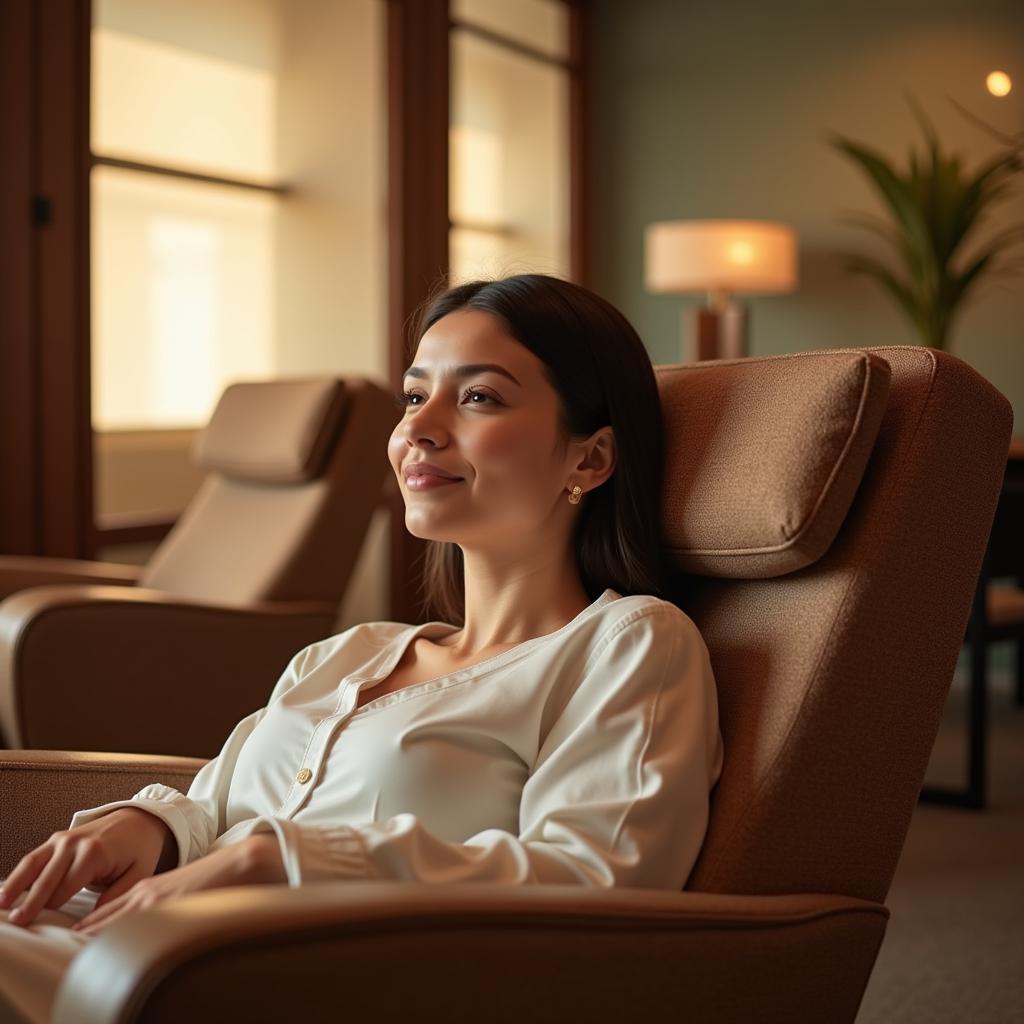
point(196, 819)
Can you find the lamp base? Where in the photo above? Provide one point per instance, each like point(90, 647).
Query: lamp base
point(720, 333)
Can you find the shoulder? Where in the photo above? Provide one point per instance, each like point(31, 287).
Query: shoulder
point(633, 655)
point(634, 626)
point(622, 611)
point(640, 615)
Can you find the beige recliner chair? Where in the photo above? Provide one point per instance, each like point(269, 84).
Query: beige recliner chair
point(828, 512)
point(168, 660)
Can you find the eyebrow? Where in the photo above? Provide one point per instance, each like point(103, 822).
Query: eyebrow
point(468, 370)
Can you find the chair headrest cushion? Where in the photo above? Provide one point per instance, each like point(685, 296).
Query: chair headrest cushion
point(276, 431)
point(764, 456)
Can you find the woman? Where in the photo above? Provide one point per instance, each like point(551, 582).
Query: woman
point(561, 727)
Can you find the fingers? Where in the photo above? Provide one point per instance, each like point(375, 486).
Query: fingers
point(109, 908)
point(102, 916)
point(120, 887)
point(43, 887)
point(116, 900)
point(24, 874)
point(82, 871)
point(112, 849)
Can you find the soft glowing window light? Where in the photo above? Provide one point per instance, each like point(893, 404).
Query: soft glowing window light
point(160, 104)
point(998, 83)
point(183, 271)
point(508, 158)
point(476, 165)
point(184, 296)
point(185, 258)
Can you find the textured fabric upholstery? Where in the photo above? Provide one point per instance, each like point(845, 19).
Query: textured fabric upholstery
point(832, 679)
point(764, 457)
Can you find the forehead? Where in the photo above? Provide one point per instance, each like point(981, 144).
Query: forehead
point(473, 336)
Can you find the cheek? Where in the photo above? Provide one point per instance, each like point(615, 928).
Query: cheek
point(518, 454)
point(396, 448)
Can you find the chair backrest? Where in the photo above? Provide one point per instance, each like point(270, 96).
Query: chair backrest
point(296, 469)
point(828, 512)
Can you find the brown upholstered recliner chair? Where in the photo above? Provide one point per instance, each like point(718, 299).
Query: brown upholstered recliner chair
point(828, 512)
point(167, 658)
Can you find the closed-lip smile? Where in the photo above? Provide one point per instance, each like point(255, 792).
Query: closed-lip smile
point(428, 469)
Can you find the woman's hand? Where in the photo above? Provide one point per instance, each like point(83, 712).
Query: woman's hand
point(116, 851)
point(252, 861)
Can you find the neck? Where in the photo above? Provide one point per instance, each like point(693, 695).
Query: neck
point(502, 598)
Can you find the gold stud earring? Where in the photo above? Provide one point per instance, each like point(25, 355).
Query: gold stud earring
point(577, 493)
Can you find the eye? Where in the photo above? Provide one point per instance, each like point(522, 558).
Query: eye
point(473, 393)
point(403, 399)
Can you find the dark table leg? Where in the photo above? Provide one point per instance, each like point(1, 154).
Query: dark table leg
point(975, 795)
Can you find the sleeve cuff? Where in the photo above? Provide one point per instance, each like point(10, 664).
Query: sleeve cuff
point(318, 854)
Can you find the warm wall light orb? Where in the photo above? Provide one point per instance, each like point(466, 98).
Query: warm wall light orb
point(998, 83)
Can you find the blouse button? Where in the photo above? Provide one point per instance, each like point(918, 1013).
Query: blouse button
point(304, 776)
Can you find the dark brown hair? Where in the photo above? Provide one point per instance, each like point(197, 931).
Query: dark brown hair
point(602, 373)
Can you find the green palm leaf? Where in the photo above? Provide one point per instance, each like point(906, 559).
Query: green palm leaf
point(933, 209)
point(889, 185)
point(899, 290)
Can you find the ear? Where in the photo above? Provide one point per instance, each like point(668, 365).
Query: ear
point(595, 459)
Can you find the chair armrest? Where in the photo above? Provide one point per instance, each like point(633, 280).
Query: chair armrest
point(41, 789)
point(139, 670)
point(402, 951)
point(20, 573)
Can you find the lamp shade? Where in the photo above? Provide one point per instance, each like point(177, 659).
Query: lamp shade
point(748, 256)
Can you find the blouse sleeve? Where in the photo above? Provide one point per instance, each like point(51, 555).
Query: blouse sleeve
point(198, 817)
point(618, 796)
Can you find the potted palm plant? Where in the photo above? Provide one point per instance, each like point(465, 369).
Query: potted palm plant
point(934, 207)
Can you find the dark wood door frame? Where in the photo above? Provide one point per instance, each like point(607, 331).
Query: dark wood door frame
point(579, 178)
point(18, 469)
point(45, 417)
point(418, 91)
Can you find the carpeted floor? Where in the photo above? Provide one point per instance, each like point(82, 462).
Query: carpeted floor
point(954, 947)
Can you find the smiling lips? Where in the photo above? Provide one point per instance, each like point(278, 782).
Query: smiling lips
point(422, 476)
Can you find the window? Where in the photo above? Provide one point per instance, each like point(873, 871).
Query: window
point(183, 265)
point(238, 195)
point(509, 139)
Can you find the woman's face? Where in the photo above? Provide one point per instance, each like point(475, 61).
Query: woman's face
point(481, 412)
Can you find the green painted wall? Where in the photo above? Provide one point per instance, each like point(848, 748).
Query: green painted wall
point(720, 109)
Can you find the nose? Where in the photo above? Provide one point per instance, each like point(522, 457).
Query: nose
point(424, 426)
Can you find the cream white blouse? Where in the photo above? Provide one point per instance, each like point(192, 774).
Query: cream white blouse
point(583, 756)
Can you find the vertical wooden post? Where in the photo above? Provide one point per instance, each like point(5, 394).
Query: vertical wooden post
point(18, 463)
point(579, 178)
point(46, 440)
point(418, 116)
point(63, 258)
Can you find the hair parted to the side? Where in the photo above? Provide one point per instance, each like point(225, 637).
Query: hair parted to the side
point(603, 375)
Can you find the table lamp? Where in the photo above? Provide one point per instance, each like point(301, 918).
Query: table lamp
point(720, 257)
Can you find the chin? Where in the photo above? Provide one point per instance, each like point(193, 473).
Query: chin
point(427, 530)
